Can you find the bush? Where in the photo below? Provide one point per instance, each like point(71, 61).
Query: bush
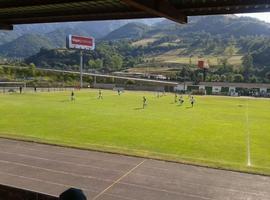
point(130, 82)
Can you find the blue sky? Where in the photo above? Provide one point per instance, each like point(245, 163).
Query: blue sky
point(261, 16)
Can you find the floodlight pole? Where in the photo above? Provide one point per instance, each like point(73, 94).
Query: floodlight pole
point(204, 74)
point(81, 69)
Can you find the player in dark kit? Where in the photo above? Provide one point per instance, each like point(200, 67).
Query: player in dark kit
point(144, 102)
point(100, 95)
point(192, 101)
point(181, 100)
point(20, 89)
point(72, 97)
point(175, 98)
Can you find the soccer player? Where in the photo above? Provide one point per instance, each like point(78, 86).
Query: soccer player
point(157, 94)
point(175, 98)
point(72, 97)
point(192, 101)
point(164, 93)
point(100, 95)
point(144, 102)
point(181, 100)
point(20, 89)
point(119, 92)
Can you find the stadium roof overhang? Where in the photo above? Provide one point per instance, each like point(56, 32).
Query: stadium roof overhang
point(44, 11)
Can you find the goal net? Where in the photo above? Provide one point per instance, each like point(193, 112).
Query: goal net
point(11, 86)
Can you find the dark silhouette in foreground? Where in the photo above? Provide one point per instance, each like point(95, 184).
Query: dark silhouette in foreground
point(73, 194)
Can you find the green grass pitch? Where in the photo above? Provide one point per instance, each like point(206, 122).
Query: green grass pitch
point(214, 133)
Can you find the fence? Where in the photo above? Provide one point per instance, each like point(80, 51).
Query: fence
point(32, 89)
point(12, 193)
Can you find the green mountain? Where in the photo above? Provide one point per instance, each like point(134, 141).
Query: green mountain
point(128, 31)
point(236, 49)
point(58, 36)
point(210, 37)
point(25, 46)
point(223, 25)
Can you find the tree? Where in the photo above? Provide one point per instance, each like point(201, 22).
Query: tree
point(223, 61)
point(185, 73)
point(117, 62)
point(31, 70)
point(238, 78)
point(215, 78)
point(223, 78)
point(1, 71)
point(230, 77)
point(253, 79)
point(247, 62)
point(95, 64)
point(267, 75)
point(200, 77)
point(229, 51)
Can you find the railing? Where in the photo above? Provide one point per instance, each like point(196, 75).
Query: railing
point(12, 193)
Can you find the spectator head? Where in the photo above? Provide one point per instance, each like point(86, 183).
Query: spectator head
point(72, 194)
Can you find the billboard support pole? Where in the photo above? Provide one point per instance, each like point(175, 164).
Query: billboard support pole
point(204, 74)
point(81, 69)
point(81, 43)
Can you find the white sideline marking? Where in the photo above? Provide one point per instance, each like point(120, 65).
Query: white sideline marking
point(118, 180)
point(248, 136)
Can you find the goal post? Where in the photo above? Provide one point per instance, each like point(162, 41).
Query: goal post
point(11, 86)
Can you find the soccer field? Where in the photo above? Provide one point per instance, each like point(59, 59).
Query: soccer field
point(219, 131)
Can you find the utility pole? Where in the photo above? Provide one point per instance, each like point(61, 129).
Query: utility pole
point(81, 69)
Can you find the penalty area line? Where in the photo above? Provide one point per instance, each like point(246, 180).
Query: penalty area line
point(118, 180)
point(248, 135)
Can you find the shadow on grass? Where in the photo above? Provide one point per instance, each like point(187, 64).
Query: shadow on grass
point(63, 101)
point(190, 107)
point(138, 108)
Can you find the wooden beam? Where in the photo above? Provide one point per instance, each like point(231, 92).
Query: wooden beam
point(27, 3)
point(49, 18)
point(219, 3)
point(7, 27)
point(225, 10)
point(161, 8)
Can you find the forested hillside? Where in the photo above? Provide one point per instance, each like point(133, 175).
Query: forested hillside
point(236, 48)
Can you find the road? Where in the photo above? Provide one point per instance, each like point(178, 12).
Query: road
point(169, 83)
point(51, 169)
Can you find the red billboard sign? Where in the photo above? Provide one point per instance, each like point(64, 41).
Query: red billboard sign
point(201, 64)
point(79, 42)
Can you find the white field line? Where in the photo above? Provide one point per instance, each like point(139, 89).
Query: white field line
point(118, 180)
point(248, 135)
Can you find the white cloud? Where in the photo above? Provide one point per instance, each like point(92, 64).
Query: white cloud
point(261, 16)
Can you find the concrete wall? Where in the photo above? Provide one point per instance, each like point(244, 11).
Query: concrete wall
point(216, 89)
point(201, 87)
point(144, 88)
point(104, 86)
point(180, 88)
point(130, 87)
point(11, 193)
point(263, 90)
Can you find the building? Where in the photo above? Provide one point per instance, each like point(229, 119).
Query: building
point(223, 88)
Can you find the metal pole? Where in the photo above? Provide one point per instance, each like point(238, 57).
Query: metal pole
point(204, 74)
point(81, 69)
